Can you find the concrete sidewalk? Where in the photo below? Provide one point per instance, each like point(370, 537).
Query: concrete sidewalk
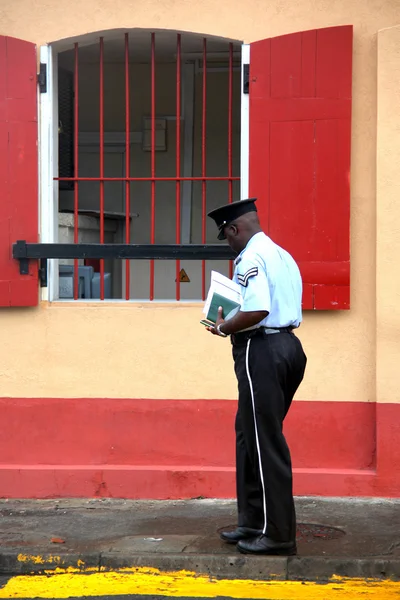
point(343, 537)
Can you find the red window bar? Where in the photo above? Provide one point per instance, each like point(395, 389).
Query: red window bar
point(230, 99)
point(153, 178)
point(101, 164)
point(127, 169)
point(153, 156)
point(178, 162)
point(203, 168)
point(76, 167)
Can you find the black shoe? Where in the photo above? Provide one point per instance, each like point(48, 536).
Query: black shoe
point(240, 533)
point(264, 545)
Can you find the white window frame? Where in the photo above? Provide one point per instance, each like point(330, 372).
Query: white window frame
point(48, 167)
point(244, 129)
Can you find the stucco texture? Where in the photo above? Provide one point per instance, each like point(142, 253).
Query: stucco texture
point(161, 351)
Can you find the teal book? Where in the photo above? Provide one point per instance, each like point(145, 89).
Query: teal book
point(229, 307)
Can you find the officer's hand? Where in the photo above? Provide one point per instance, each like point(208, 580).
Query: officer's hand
point(219, 321)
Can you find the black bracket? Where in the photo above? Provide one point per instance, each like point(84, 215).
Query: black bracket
point(42, 78)
point(246, 78)
point(43, 272)
point(20, 249)
point(24, 266)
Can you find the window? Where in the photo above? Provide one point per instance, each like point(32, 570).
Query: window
point(156, 76)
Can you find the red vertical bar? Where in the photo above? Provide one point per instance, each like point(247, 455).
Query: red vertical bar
point(153, 157)
point(101, 164)
point(203, 168)
point(178, 159)
point(127, 166)
point(230, 100)
point(76, 158)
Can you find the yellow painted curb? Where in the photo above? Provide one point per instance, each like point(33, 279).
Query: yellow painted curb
point(64, 583)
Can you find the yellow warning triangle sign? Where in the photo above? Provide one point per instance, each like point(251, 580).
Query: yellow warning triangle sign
point(183, 277)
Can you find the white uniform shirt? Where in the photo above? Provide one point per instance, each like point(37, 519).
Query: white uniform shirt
point(270, 280)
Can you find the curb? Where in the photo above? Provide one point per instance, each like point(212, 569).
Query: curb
point(236, 566)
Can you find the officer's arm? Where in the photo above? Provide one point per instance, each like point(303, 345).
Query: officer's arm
point(243, 320)
point(256, 299)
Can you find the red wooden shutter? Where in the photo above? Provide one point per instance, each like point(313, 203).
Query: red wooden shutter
point(18, 168)
point(299, 166)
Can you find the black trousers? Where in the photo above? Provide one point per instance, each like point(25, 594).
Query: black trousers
point(269, 369)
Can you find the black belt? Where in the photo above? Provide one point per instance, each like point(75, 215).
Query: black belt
point(244, 336)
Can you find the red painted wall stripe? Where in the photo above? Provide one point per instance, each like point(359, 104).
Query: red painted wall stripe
point(168, 482)
point(181, 449)
point(175, 432)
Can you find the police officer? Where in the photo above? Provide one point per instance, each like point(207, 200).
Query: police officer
point(269, 365)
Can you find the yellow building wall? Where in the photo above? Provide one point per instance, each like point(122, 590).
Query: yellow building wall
point(161, 351)
point(388, 216)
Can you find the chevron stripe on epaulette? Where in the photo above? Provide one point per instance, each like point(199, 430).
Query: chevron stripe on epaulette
point(244, 279)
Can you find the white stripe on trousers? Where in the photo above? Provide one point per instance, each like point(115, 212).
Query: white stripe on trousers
point(257, 440)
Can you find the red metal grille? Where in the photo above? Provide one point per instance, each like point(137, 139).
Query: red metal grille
point(177, 178)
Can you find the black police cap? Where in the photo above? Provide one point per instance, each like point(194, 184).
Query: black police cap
point(229, 212)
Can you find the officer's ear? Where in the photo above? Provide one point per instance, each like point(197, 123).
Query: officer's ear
point(233, 230)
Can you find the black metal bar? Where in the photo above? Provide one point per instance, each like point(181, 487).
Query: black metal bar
point(23, 250)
